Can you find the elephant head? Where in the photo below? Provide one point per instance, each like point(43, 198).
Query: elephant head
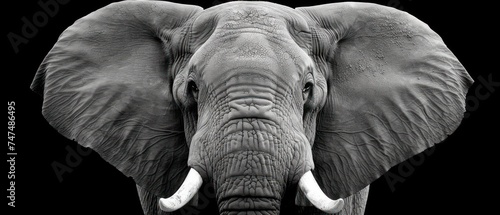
point(255, 98)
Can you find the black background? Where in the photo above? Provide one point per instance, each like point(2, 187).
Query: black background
point(455, 177)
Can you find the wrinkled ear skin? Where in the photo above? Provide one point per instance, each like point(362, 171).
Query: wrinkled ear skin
point(394, 90)
point(107, 84)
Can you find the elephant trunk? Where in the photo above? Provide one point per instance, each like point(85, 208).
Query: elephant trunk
point(252, 184)
point(254, 162)
point(244, 194)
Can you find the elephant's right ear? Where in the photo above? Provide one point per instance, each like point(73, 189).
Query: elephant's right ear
point(107, 84)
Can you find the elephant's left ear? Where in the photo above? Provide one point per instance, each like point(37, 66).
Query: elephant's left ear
point(107, 84)
point(394, 89)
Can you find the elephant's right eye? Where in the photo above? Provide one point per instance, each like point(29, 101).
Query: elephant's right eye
point(193, 89)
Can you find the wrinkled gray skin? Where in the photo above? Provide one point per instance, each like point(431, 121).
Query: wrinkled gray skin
point(252, 95)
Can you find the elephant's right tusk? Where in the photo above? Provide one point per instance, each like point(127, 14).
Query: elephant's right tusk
point(315, 195)
point(188, 189)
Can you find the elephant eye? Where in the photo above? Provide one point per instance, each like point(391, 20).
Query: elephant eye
point(305, 91)
point(193, 89)
point(307, 87)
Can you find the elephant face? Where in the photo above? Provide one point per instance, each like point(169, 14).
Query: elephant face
point(248, 83)
point(254, 98)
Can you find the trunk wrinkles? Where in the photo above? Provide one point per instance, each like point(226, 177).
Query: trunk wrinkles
point(252, 162)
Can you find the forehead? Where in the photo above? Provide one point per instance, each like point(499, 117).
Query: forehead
point(266, 16)
point(252, 37)
point(251, 18)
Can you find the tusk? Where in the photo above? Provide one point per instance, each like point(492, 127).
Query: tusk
point(188, 189)
point(315, 195)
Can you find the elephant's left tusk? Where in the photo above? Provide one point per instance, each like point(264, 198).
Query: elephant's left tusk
point(315, 195)
point(188, 189)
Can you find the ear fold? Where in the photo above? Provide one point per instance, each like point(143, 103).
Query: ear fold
point(394, 89)
point(107, 84)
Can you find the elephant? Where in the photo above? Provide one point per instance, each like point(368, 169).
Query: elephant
point(278, 109)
